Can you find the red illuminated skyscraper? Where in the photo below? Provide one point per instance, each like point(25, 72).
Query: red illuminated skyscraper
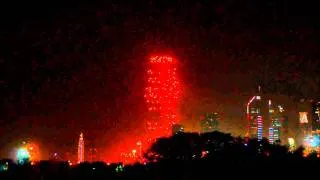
point(81, 149)
point(162, 95)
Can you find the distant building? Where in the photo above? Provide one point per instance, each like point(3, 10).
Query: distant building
point(177, 128)
point(305, 129)
point(210, 123)
point(81, 149)
point(271, 135)
point(278, 123)
point(255, 119)
point(315, 115)
point(276, 118)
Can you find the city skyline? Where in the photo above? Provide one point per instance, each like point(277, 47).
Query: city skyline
point(83, 68)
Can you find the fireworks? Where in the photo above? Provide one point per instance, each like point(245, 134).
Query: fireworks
point(162, 95)
point(23, 155)
point(28, 152)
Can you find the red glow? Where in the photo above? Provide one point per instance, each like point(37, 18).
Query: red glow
point(33, 150)
point(162, 96)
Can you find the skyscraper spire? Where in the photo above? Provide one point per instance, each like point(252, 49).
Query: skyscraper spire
point(81, 149)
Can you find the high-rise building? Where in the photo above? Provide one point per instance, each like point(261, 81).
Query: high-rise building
point(255, 118)
point(304, 124)
point(271, 135)
point(81, 149)
point(315, 110)
point(278, 122)
point(210, 123)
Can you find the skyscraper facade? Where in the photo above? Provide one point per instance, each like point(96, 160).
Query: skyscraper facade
point(277, 122)
point(271, 135)
point(81, 149)
point(255, 118)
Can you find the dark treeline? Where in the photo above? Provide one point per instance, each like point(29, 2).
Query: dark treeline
point(185, 156)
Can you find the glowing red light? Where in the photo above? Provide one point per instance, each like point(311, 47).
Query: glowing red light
point(162, 96)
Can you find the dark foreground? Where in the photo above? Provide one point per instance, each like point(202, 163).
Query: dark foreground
point(187, 156)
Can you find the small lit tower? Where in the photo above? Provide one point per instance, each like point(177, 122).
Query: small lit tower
point(81, 149)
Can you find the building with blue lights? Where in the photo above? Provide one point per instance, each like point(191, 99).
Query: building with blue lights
point(255, 118)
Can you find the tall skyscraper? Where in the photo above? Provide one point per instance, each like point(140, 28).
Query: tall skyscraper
point(255, 118)
point(277, 122)
point(81, 149)
point(271, 135)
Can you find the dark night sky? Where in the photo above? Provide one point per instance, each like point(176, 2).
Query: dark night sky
point(80, 67)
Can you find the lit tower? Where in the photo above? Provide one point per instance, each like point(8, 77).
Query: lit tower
point(81, 149)
point(315, 114)
point(254, 117)
point(271, 135)
point(277, 122)
point(162, 95)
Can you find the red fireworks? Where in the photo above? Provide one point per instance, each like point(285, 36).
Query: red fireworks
point(162, 95)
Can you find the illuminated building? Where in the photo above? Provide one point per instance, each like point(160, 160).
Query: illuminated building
point(177, 128)
point(278, 122)
point(210, 123)
point(271, 141)
point(255, 119)
point(305, 129)
point(162, 95)
point(315, 110)
point(81, 149)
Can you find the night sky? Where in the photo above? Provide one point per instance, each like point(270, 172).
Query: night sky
point(81, 67)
